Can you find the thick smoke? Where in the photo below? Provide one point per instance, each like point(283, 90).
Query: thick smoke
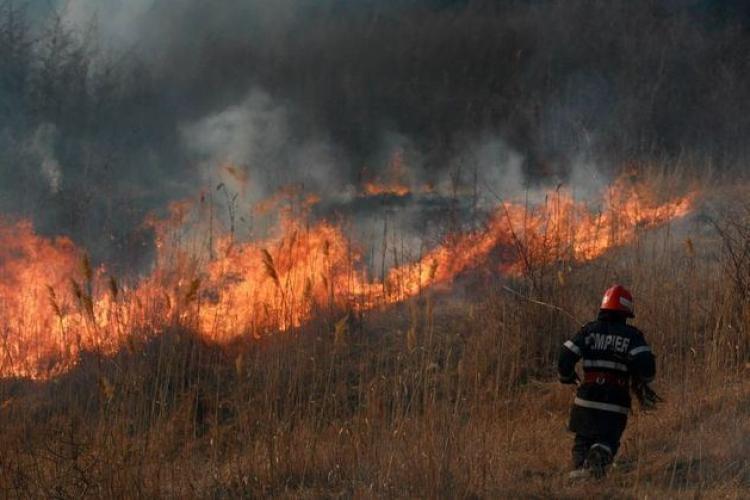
point(110, 109)
point(42, 145)
point(255, 136)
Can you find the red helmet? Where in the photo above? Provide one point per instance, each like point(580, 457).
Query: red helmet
point(617, 298)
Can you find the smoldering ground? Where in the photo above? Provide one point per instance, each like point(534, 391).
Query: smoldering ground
point(109, 110)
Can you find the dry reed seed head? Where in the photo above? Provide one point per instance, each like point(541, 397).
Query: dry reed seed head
point(113, 287)
point(76, 289)
point(88, 305)
point(270, 267)
point(433, 269)
point(106, 388)
point(341, 329)
point(53, 301)
point(192, 292)
point(690, 247)
point(88, 272)
point(239, 365)
point(130, 344)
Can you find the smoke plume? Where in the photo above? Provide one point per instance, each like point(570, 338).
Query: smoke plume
point(110, 110)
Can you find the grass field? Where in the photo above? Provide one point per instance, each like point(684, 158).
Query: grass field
point(450, 393)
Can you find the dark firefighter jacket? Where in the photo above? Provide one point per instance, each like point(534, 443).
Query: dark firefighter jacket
point(614, 355)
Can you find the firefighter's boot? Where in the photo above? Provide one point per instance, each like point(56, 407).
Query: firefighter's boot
point(579, 474)
point(598, 459)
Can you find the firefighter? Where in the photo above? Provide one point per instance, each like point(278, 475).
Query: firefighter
point(615, 356)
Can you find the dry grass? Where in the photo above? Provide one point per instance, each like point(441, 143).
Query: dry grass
point(438, 397)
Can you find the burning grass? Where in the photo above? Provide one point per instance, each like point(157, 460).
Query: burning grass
point(225, 289)
point(435, 393)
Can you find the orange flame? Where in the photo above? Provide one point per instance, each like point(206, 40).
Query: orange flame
point(48, 311)
point(394, 181)
point(53, 305)
point(374, 189)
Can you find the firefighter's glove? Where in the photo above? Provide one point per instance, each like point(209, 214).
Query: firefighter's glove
point(571, 380)
point(647, 397)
